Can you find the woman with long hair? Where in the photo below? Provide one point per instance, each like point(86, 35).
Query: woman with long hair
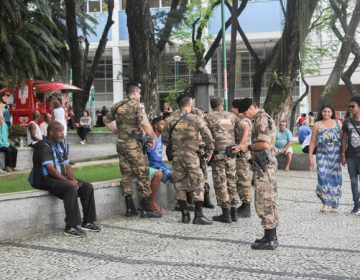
point(326, 136)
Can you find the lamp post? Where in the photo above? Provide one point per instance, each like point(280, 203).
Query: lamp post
point(224, 54)
point(177, 59)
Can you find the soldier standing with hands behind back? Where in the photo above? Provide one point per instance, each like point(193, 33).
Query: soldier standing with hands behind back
point(262, 149)
point(222, 126)
point(185, 129)
point(128, 119)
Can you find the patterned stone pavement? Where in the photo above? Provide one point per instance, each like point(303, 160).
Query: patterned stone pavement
point(313, 245)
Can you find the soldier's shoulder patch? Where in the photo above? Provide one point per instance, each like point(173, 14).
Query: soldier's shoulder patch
point(225, 122)
point(181, 126)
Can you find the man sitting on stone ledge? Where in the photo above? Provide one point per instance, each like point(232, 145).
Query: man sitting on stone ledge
point(283, 143)
point(52, 172)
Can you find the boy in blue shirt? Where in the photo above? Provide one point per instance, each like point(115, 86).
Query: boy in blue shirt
point(159, 171)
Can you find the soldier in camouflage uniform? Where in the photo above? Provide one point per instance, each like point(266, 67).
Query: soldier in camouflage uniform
point(186, 163)
point(222, 126)
point(207, 202)
point(128, 120)
point(263, 140)
point(243, 183)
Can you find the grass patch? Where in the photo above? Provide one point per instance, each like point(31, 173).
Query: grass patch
point(297, 148)
point(99, 129)
point(18, 182)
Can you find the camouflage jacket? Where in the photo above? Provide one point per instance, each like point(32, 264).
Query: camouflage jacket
point(129, 117)
point(222, 126)
point(264, 130)
point(244, 122)
point(194, 111)
point(185, 135)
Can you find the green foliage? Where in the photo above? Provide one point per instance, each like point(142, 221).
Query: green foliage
point(17, 131)
point(173, 92)
point(30, 42)
point(279, 80)
point(312, 56)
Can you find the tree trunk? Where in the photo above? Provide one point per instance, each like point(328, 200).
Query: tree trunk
point(79, 99)
point(334, 78)
point(232, 65)
point(279, 101)
point(142, 50)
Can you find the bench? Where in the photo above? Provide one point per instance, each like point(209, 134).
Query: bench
point(34, 211)
point(92, 137)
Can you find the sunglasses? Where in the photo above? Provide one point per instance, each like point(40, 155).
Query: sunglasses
point(352, 106)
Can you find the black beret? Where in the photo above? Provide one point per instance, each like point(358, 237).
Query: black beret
point(215, 102)
point(235, 103)
point(244, 104)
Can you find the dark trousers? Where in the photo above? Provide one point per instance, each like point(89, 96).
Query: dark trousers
point(353, 165)
point(83, 131)
point(10, 156)
point(69, 194)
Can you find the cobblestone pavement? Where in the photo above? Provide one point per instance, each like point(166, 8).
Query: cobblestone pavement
point(313, 245)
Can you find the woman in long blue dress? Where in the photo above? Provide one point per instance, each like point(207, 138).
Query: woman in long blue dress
point(326, 135)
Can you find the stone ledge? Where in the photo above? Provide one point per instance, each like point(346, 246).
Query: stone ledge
point(34, 211)
point(92, 138)
point(298, 162)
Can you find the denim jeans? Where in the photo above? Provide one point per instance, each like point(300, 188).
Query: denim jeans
point(353, 165)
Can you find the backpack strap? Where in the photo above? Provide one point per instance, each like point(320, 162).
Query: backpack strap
point(113, 111)
point(172, 128)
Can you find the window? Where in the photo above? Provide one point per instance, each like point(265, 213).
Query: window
point(166, 3)
point(154, 3)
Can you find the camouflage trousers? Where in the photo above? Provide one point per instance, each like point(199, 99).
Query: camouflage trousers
point(243, 183)
point(188, 176)
point(224, 177)
point(204, 169)
point(266, 195)
point(133, 165)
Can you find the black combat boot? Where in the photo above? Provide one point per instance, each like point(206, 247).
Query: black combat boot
point(207, 203)
point(244, 210)
point(147, 211)
point(184, 212)
point(130, 207)
point(189, 198)
point(268, 242)
point(234, 214)
point(199, 217)
point(224, 217)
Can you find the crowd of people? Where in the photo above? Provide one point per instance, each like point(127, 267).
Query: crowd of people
point(240, 146)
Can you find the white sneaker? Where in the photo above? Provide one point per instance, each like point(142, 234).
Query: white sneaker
point(82, 142)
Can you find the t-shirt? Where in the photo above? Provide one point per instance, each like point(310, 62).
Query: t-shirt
point(155, 155)
point(353, 148)
point(59, 115)
point(85, 120)
point(283, 138)
point(44, 153)
point(304, 131)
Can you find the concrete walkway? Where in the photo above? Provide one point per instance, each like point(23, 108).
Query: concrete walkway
point(312, 245)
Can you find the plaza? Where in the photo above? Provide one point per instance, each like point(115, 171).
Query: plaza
point(312, 245)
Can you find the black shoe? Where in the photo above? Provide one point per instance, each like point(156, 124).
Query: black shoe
point(234, 214)
point(130, 207)
point(184, 211)
point(90, 227)
point(147, 211)
point(207, 202)
point(74, 232)
point(268, 242)
point(224, 217)
point(244, 211)
point(355, 210)
point(190, 207)
point(199, 218)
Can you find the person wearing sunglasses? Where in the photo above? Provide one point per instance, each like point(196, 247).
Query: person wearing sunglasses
point(350, 149)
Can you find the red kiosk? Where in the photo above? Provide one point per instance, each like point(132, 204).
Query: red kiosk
point(36, 95)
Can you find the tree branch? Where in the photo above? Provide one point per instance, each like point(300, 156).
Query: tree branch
point(174, 17)
point(339, 14)
point(282, 7)
point(217, 40)
point(101, 47)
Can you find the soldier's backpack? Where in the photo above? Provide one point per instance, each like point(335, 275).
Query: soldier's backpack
point(169, 149)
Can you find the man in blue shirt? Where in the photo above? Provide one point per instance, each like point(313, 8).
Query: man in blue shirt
point(304, 131)
point(283, 143)
point(159, 171)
